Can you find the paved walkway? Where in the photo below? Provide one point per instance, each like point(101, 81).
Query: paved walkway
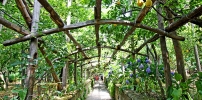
point(99, 92)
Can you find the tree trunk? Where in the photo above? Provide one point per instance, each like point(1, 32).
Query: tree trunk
point(33, 53)
point(164, 52)
point(178, 51)
point(157, 73)
point(198, 65)
point(1, 13)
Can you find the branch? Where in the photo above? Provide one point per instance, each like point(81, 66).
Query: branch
point(87, 23)
point(164, 16)
point(154, 38)
point(21, 6)
point(14, 27)
point(175, 25)
point(73, 61)
point(197, 22)
point(161, 32)
point(53, 14)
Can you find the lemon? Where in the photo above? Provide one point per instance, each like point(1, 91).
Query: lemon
point(139, 3)
point(118, 2)
point(137, 80)
point(148, 3)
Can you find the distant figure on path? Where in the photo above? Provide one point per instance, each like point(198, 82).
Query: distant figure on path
point(101, 77)
point(96, 77)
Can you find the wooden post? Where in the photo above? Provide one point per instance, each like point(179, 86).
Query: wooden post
point(81, 70)
point(177, 48)
point(75, 70)
point(197, 58)
point(33, 52)
point(164, 52)
point(64, 74)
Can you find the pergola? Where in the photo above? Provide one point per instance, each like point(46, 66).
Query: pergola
point(32, 19)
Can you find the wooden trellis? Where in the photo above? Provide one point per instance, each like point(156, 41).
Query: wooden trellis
point(97, 21)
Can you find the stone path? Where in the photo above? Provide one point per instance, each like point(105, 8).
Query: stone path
point(99, 92)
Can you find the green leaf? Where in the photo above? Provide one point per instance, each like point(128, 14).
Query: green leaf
point(178, 77)
point(177, 93)
point(189, 96)
point(200, 74)
point(198, 85)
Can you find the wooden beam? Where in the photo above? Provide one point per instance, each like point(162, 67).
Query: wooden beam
point(98, 10)
point(25, 13)
point(90, 48)
point(30, 79)
point(175, 25)
point(161, 32)
point(27, 8)
point(88, 63)
point(14, 27)
point(87, 23)
point(73, 61)
point(97, 15)
point(53, 14)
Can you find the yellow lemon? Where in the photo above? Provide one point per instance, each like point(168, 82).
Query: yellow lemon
point(148, 3)
point(139, 3)
point(137, 80)
point(115, 24)
point(118, 2)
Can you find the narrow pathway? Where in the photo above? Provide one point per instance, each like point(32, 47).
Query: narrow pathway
point(99, 92)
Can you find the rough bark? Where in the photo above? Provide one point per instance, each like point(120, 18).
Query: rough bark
point(164, 51)
point(33, 53)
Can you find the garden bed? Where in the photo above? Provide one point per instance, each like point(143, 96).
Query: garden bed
point(129, 94)
point(74, 95)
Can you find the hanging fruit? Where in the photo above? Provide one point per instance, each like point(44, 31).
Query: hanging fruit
point(148, 3)
point(118, 2)
point(139, 3)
